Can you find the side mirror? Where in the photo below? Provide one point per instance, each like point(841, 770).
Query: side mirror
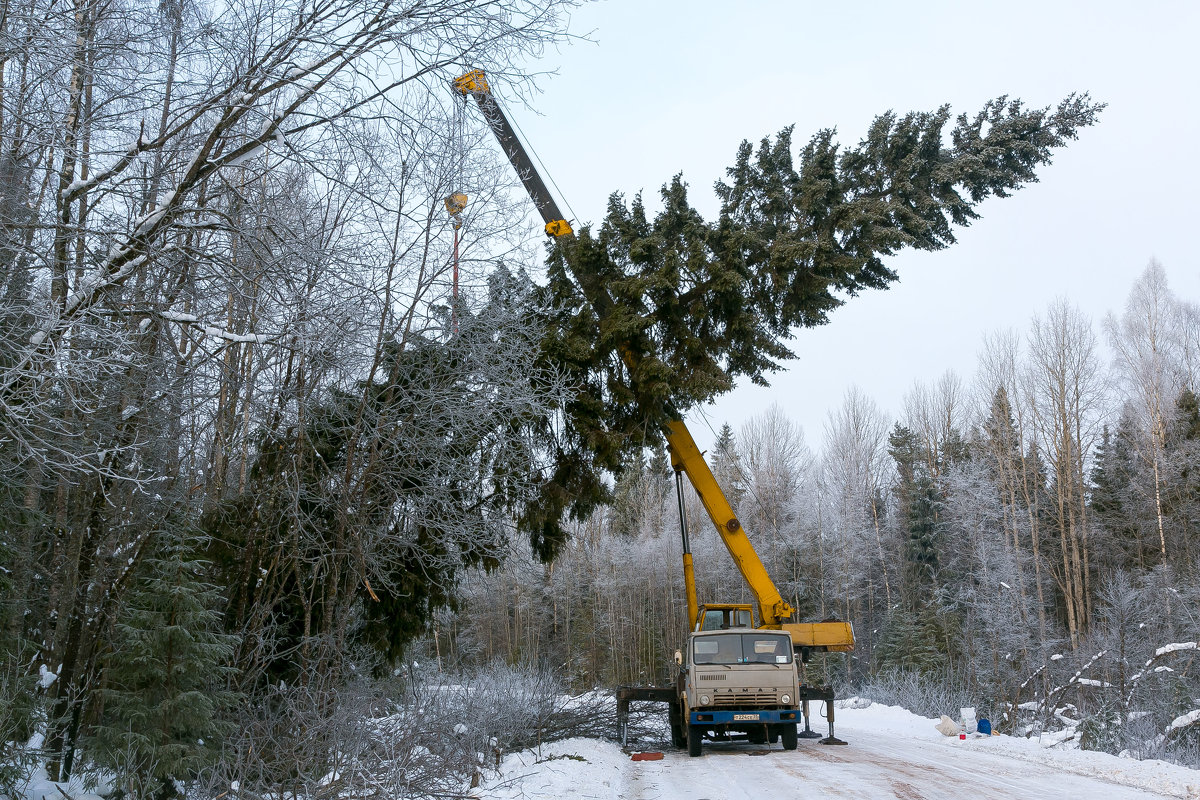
point(679, 658)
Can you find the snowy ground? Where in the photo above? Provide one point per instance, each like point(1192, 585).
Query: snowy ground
point(892, 754)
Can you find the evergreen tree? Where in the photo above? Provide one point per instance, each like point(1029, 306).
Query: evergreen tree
point(955, 450)
point(1186, 425)
point(1000, 434)
point(392, 488)
point(1114, 502)
point(727, 467)
point(641, 493)
point(917, 639)
point(625, 511)
point(1000, 447)
point(924, 542)
point(918, 504)
point(653, 316)
point(1181, 490)
point(164, 677)
point(659, 470)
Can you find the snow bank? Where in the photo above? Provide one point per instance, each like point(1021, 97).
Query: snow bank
point(892, 753)
point(40, 787)
point(1152, 775)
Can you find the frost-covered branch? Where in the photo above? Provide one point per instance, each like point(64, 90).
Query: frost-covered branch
point(214, 330)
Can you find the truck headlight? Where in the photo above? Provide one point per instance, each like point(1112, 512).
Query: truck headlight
point(786, 699)
point(705, 699)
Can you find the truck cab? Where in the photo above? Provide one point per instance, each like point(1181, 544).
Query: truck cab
point(738, 680)
point(721, 616)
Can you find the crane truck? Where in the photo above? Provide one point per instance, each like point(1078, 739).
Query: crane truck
point(740, 675)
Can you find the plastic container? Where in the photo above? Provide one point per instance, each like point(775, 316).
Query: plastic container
point(967, 721)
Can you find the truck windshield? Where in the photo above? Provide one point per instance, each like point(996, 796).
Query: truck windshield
point(742, 648)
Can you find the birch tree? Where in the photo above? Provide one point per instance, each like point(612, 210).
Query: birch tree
point(854, 472)
point(1065, 390)
point(1011, 445)
point(1146, 343)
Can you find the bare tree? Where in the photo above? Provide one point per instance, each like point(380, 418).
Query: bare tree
point(937, 414)
point(854, 472)
point(1147, 343)
point(773, 460)
point(1064, 389)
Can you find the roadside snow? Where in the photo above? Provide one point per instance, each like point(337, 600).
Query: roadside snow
point(892, 753)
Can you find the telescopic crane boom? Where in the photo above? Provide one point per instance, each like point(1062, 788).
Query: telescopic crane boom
point(475, 84)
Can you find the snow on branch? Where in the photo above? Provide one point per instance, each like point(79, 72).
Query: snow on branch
point(1078, 678)
point(1049, 703)
point(1165, 650)
point(1184, 720)
point(81, 185)
point(213, 330)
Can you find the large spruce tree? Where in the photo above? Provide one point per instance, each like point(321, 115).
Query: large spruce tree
point(654, 316)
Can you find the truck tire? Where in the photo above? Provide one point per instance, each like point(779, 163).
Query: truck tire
point(788, 734)
point(677, 737)
point(678, 733)
point(695, 740)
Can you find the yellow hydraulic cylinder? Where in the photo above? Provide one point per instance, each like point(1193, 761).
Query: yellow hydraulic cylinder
point(689, 585)
point(773, 609)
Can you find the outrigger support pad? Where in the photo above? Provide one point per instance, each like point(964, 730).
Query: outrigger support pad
point(830, 739)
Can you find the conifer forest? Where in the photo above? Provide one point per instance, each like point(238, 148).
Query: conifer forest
point(284, 496)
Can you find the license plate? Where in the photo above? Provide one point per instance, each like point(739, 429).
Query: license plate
point(745, 717)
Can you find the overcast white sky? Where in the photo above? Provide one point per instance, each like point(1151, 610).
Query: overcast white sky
point(671, 87)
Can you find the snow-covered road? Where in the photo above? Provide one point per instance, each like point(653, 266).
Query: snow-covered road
point(892, 754)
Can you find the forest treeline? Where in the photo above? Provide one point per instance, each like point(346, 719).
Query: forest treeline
point(1026, 539)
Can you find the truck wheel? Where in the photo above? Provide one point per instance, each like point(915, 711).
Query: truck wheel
point(678, 732)
point(695, 737)
point(788, 734)
point(677, 737)
point(757, 735)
